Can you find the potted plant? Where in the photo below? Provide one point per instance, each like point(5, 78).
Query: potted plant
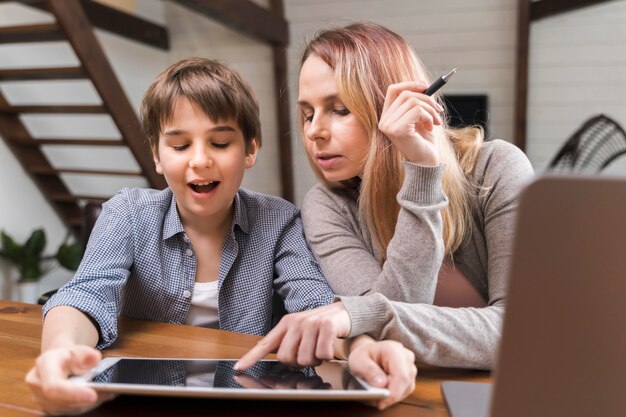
point(32, 264)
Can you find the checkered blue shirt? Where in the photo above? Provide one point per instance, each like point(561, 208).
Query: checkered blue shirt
point(140, 263)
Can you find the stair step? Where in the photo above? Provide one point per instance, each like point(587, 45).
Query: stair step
point(90, 109)
point(56, 171)
point(64, 142)
point(31, 33)
point(59, 73)
point(70, 198)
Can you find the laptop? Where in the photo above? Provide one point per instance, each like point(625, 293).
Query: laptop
point(563, 346)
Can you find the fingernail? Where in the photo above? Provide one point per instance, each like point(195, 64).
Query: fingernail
point(379, 380)
point(236, 366)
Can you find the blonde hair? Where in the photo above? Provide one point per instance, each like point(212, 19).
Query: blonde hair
point(366, 59)
point(217, 89)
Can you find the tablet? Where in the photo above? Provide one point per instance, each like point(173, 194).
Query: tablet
point(267, 379)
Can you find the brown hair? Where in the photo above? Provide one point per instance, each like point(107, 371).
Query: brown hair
point(219, 91)
point(367, 58)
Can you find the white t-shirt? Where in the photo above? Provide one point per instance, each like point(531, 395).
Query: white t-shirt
point(203, 311)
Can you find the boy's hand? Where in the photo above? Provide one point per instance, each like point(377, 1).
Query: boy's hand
point(384, 364)
point(302, 339)
point(48, 380)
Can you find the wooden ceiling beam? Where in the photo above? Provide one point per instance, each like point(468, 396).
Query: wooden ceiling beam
point(54, 109)
point(25, 74)
point(75, 171)
point(243, 16)
point(71, 142)
point(546, 8)
point(47, 32)
point(118, 22)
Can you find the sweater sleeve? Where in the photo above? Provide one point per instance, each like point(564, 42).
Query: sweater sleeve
point(458, 337)
point(346, 258)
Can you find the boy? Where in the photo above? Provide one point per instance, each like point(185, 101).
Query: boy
point(201, 252)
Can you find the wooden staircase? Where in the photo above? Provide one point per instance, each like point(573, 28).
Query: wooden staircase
point(73, 26)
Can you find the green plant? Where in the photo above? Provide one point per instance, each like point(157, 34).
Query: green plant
point(29, 259)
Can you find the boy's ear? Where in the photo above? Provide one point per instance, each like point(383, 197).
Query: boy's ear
point(253, 147)
point(157, 162)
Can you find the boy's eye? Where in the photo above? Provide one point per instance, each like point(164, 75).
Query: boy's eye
point(308, 118)
point(180, 147)
point(221, 145)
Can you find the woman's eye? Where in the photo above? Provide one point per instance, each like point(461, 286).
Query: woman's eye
point(342, 112)
point(307, 118)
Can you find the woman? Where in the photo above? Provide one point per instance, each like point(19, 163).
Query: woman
point(412, 221)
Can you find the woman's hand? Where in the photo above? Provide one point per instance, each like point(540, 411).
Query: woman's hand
point(302, 339)
point(48, 380)
point(384, 364)
point(408, 119)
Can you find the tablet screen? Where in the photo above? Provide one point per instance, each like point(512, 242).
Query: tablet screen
point(191, 376)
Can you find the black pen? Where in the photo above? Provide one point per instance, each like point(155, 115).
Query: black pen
point(439, 82)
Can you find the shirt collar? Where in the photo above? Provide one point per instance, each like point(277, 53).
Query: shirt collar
point(241, 213)
point(173, 225)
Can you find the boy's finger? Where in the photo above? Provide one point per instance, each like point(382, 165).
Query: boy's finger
point(258, 352)
point(83, 358)
point(401, 380)
point(370, 371)
point(53, 368)
point(289, 345)
point(266, 345)
point(307, 347)
point(325, 348)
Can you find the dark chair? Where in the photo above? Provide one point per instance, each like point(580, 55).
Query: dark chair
point(91, 211)
point(592, 147)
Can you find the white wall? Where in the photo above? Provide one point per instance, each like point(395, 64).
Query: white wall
point(577, 70)
point(478, 37)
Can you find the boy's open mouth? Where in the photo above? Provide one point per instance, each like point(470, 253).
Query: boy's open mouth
point(204, 187)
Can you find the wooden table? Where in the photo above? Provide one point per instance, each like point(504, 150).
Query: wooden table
point(20, 335)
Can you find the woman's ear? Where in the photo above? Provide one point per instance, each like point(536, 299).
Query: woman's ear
point(253, 148)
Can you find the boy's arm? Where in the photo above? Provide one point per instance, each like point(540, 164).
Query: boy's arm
point(66, 327)
point(298, 278)
point(95, 291)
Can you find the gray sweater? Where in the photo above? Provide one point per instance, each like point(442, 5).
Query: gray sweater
point(395, 301)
